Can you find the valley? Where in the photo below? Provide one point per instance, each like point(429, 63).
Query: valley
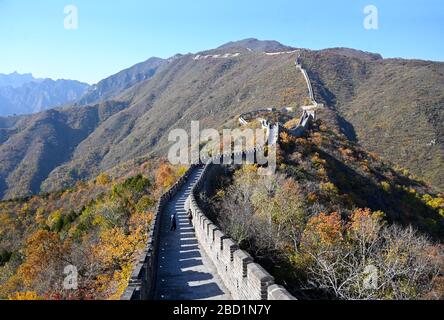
point(168, 94)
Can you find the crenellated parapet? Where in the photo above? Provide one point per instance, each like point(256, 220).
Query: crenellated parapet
point(141, 284)
point(245, 279)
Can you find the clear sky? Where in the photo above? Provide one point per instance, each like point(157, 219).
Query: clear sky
point(115, 34)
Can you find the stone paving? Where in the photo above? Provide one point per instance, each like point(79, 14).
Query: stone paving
point(184, 271)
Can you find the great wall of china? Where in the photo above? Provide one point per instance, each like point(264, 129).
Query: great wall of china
point(201, 261)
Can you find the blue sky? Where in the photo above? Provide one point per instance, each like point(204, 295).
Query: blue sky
point(116, 34)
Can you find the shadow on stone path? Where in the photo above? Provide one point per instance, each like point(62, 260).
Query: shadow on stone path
point(184, 271)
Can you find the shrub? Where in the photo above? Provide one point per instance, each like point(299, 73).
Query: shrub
point(144, 204)
point(4, 257)
point(386, 186)
point(103, 179)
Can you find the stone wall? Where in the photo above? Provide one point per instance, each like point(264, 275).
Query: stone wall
point(307, 79)
point(141, 285)
point(305, 122)
point(245, 279)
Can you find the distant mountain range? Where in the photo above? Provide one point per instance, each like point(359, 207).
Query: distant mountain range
point(24, 94)
point(394, 107)
point(16, 80)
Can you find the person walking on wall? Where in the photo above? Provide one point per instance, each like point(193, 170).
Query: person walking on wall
point(173, 223)
point(190, 217)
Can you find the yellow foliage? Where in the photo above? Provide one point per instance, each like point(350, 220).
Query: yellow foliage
point(317, 139)
point(322, 172)
point(347, 153)
point(323, 128)
point(247, 174)
point(28, 295)
point(39, 216)
point(144, 204)
point(285, 138)
point(25, 209)
point(181, 170)
point(117, 248)
point(292, 123)
point(405, 172)
point(220, 194)
point(317, 161)
point(43, 248)
point(164, 176)
point(10, 286)
point(386, 186)
point(365, 224)
point(5, 220)
point(329, 188)
point(120, 279)
point(112, 286)
point(435, 203)
point(103, 179)
point(312, 197)
point(140, 220)
point(53, 218)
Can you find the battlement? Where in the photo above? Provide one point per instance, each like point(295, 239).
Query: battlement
point(245, 279)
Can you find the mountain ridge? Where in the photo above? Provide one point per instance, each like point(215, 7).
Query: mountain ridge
point(119, 82)
point(257, 45)
point(133, 122)
point(16, 79)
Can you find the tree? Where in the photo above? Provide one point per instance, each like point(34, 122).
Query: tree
point(164, 176)
point(323, 232)
point(145, 203)
point(398, 261)
point(44, 261)
point(55, 221)
point(116, 253)
point(103, 179)
point(364, 230)
point(110, 213)
point(280, 202)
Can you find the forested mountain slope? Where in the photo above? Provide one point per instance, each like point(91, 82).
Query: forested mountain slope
point(137, 122)
point(331, 211)
point(98, 227)
point(393, 107)
point(115, 84)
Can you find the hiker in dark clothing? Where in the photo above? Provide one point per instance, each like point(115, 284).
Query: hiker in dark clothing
point(190, 217)
point(173, 223)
